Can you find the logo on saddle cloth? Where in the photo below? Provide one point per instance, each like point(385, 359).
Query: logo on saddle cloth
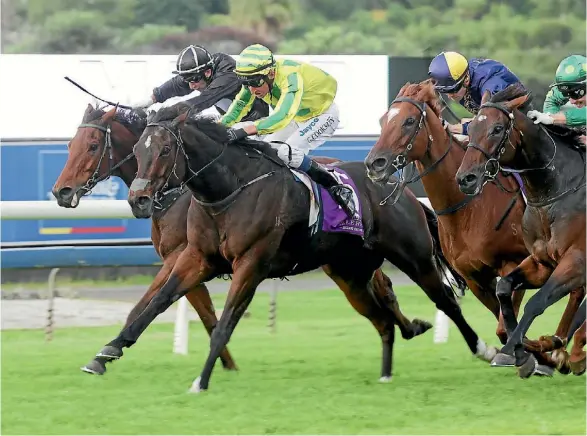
point(325, 213)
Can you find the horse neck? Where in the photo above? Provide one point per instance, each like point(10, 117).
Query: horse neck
point(216, 172)
point(559, 167)
point(122, 146)
point(440, 183)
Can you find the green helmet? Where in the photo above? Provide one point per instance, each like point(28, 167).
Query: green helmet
point(572, 70)
point(255, 60)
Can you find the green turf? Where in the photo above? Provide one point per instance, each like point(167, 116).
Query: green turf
point(318, 374)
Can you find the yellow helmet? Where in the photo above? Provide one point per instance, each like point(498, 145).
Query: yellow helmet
point(255, 60)
point(448, 69)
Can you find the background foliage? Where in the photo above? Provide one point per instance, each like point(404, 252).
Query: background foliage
point(530, 36)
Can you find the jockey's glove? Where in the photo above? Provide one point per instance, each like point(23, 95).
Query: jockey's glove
point(236, 135)
point(540, 117)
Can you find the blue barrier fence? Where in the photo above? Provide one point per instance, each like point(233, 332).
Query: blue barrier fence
point(28, 172)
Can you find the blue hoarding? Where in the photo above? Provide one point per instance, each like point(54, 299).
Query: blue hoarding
point(29, 170)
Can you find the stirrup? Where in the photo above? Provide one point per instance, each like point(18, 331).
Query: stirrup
point(343, 195)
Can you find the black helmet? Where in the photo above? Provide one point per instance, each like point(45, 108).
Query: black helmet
point(193, 61)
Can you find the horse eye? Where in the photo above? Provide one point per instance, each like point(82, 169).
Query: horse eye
point(409, 121)
point(165, 151)
point(496, 129)
point(94, 147)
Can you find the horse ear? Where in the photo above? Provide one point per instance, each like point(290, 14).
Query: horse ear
point(109, 116)
point(516, 102)
point(486, 97)
point(180, 119)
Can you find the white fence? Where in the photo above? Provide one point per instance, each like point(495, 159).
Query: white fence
point(22, 210)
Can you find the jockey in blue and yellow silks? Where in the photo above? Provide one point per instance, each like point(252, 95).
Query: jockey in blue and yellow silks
point(466, 81)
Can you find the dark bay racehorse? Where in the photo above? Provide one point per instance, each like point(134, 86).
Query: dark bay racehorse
point(103, 147)
point(552, 165)
point(252, 221)
point(480, 236)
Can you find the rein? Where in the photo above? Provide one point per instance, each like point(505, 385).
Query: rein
point(494, 156)
point(225, 202)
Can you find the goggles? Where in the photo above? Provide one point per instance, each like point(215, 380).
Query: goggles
point(574, 91)
point(252, 81)
point(193, 78)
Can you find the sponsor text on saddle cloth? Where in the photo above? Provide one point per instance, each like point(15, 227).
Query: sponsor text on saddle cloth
point(325, 212)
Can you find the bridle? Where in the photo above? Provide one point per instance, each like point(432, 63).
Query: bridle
point(95, 178)
point(183, 185)
point(401, 160)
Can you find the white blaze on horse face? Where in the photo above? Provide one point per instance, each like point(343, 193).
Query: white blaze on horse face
point(481, 117)
point(392, 113)
point(148, 142)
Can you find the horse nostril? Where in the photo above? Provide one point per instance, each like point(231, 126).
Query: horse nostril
point(65, 192)
point(468, 180)
point(379, 164)
point(143, 201)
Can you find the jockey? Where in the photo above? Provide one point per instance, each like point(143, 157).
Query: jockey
point(304, 115)
point(212, 75)
point(565, 102)
point(466, 81)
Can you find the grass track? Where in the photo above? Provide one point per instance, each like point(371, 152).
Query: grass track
point(317, 375)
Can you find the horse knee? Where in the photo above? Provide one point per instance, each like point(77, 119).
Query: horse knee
point(504, 288)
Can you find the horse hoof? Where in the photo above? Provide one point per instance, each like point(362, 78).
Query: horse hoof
point(110, 353)
point(528, 368)
point(196, 388)
point(420, 326)
point(385, 379)
point(544, 371)
point(95, 367)
point(561, 358)
point(578, 368)
point(503, 360)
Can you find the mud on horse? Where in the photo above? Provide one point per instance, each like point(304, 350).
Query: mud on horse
point(552, 166)
point(227, 234)
point(102, 147)
point(480, 236)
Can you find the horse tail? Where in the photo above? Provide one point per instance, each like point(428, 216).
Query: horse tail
point(447, 271)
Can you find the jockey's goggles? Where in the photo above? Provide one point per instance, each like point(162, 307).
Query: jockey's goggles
point(572, 90)
point(193, 77)
point(252, 81)
point(449, 89)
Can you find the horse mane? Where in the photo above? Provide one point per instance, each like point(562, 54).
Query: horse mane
point(565, 133)
point(132, 120)
point(424, 92)
point(219, 133)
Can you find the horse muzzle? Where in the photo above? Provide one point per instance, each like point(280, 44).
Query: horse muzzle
point(380, 168)
point(67, 197)
point(140, 200)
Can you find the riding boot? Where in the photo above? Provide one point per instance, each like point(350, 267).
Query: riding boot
point(343, 195)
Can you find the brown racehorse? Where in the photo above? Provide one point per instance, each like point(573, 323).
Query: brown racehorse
point(103, 147)
point(551, 162)
point(253, 222)
point(481, 236)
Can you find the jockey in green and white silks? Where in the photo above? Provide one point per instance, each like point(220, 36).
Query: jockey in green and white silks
point(304, 113)
point(566, 101)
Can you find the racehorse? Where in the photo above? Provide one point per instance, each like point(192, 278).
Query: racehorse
point(103, 147)
point(253, 222)
point(480, 236)
point(551, 163)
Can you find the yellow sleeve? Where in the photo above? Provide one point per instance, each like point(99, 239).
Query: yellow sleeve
point(286, 108)
point(240, 106)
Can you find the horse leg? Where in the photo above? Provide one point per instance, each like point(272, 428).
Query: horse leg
point(568, 275)
point(248, 272)
point(199, 298)
point(189, 270)
point(424, 273)
point(361, 298)
point(578, 356)
point(560, 355)
point(384, 291)
point(558, 340)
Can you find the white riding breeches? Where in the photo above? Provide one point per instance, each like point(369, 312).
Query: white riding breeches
point(300, 138)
